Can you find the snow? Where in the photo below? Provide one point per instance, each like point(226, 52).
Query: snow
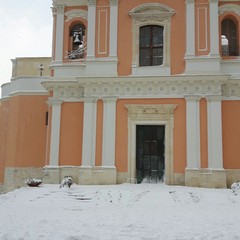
point(119, 212)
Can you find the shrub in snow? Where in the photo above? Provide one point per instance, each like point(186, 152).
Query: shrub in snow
point(235, 188)
point(67, 181)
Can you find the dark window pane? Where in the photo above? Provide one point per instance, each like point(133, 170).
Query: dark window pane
point(151, 45)
point(229, 30)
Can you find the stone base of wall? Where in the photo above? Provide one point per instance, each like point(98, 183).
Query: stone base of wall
point(179, 179)
point(15, 177)
point(233, 175)
point(209, 178)
point(1, 188)
point(81, 175)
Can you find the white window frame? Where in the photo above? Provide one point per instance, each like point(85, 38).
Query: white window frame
point(151, 14)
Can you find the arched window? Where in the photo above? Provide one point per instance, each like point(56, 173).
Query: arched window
point(77, 41)
point(229, 38)
point(151, 45)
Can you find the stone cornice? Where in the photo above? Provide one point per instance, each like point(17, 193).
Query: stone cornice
point(142, 87)
point(154, 87)
point(231, 88)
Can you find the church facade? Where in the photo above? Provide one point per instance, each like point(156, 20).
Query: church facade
point(139, 91)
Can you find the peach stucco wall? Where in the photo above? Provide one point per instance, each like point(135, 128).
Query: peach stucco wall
point(231, 134)
point(179, 141)
point(71, 134)
point(4, 110)
point(26, 138)
point(99, 130)
point(203, 133)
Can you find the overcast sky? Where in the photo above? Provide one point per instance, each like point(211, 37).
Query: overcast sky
point(26, 31)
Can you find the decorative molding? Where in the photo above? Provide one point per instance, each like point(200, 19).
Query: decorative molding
point(58, 9)
point(193, 98)
point(153, 88)
point(213, 1)
point(200, 23)
point(150, 109)
point(54, 102)
point(113, 2)
point(227, 8)
point(66, 92)
point(190, 1)
point(231, 88)
point(92, 2)
point(151, 11)
point(160, 114)
point(75, 14)
point(214, 98)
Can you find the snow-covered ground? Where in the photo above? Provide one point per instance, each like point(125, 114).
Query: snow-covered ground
point(119, 212)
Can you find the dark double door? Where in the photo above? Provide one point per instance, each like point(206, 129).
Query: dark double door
point(150, 162)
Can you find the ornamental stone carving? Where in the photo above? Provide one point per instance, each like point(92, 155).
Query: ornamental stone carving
point(58, 9)
point(227, 8)
point(92, 2)
point(213, 1)
point(190, 1)
point(113, 2)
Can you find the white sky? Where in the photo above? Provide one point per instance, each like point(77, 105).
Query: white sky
point(26, 31)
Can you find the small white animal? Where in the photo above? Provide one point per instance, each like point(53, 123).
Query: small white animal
point(67, 181)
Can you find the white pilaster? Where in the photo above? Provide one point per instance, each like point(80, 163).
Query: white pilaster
point(91, 28)
point(89, 132)
point(109, 125)
point(214, 34)
point(214, 111)
point(193, 132)
point(55, 131)
point(113, 27)
point(58, 10)
point(190, 22)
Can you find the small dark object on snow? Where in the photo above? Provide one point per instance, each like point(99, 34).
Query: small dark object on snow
point(33, 182)
point(67, 181)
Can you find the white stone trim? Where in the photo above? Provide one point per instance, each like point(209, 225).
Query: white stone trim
point(151, 14)
point(154, 87)
point(113, 28)
point(190, 28)
point(91, 28)
point(89, 132)
point(214, 112)
point(226, 8)
point(76, 13)
point(109, 129)
point(193, 132)
point(214, 33)
point(59, 33)
point(24, 85)
point(140, 114)
point(55, 131)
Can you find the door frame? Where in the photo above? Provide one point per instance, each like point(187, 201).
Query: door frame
point(142, 114)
